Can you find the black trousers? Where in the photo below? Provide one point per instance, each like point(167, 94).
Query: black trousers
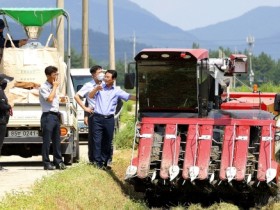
point(51, 133)
point(102, 136)
point(90, 140)
point(3, 128)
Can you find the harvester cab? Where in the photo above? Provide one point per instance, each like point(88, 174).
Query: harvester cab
point(191, 136)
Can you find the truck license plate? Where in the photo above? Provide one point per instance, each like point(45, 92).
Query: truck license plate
point(23, 133)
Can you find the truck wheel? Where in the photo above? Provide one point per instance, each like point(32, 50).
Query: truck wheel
point(77, 157)
point(68, 159)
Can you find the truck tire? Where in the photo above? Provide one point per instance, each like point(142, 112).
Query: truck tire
point(68, 159)
point(77, 157)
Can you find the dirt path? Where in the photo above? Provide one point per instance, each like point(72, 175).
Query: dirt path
point(22, 173)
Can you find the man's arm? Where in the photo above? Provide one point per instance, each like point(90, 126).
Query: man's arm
point(3, 105)
point(17, 43)
point(95, 90)
point(86, 114)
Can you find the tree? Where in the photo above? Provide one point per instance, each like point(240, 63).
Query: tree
point(76, 60)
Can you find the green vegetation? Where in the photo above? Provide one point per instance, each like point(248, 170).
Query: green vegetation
point(124, 138)
point(80, 187)
point(264, 88)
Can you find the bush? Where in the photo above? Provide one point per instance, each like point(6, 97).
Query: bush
point(124, 138)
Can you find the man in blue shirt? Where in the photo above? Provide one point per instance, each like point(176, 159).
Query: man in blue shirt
point(106, 99)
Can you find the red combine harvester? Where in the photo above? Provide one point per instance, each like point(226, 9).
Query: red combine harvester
point(193, 137)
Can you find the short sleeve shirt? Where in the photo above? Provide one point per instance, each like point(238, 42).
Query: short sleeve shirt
point(44, 92)
point(84, 91)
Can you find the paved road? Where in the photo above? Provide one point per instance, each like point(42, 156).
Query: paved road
point(21, 173)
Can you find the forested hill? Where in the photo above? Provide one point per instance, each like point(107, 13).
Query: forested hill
point(132, 20)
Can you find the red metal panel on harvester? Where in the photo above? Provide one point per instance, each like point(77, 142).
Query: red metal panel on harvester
point(198, 151)
point(241, 151)
point(266, 153)
point(190, 152)
point(171, 150)
point(227, 151)
point(145, 149)
point(204, 150)
point(235, 152)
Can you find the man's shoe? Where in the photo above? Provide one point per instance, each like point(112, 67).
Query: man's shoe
point(49, 167)
point(61, 166)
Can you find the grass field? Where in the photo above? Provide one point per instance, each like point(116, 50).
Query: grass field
point(85, 187)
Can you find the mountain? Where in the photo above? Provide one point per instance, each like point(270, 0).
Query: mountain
point(131, 20)
point(262, 23)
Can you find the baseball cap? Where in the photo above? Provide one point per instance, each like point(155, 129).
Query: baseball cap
point(4, 77)
point(2, 24)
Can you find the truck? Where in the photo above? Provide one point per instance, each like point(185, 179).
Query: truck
point(79, 77)
point(195, 140)
point(27, 64)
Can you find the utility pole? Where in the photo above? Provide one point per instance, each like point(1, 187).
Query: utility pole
point(112, 64)
point(85, 45)
point(250, 41)
point(60, 31)
point(134, 45)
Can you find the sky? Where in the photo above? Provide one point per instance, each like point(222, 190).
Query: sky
point(190, 14)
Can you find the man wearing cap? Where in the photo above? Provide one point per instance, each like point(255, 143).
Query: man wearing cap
point(5, 109)
point(17, 43)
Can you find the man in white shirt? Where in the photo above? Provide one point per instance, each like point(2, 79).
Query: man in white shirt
point(89, 108)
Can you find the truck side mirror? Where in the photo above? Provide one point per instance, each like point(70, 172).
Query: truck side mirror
point(277, 102)
point(129, 80)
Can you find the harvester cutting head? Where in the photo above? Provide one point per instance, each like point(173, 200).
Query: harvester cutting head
point(197, 146)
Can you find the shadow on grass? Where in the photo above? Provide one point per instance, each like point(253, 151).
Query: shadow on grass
point(127, 188)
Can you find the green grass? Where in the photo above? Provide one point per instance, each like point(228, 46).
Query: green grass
point(84, 187)
point(80, 187)
point(124, 138)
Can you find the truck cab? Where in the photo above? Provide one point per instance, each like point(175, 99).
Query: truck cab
point(79, 77)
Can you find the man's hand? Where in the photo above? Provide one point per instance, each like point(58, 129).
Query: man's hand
point(86, 120)
point(22, 42)
point(56, 82)
point(89, 110)
point(98, 87)
point(11, 104)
